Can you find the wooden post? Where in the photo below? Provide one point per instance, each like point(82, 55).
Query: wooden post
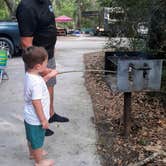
point(127, 113)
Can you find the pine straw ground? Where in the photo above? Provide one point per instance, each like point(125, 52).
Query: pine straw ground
point(148, 131)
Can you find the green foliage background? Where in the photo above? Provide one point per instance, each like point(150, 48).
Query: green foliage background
point(151, 11)
point(4, 13)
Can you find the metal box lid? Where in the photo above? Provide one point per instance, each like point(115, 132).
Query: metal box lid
point(135, 71)
point(139, 75)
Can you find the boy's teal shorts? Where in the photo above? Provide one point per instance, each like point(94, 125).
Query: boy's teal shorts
point(35, 135)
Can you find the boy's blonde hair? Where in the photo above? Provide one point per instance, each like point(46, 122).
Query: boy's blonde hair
point(34, 55)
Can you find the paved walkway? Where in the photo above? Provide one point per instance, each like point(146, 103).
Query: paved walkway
point(73, 143)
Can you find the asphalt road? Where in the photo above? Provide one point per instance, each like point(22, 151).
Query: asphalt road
point(74, 143)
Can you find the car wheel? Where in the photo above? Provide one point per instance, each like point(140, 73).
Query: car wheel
point(7, 45)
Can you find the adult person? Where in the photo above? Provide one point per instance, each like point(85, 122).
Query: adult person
point(37, 27)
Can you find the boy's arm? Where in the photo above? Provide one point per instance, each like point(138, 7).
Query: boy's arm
point(49, 74)
point(39, 111)
point(45, 72)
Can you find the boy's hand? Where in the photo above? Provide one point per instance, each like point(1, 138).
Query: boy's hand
point(39, 111)
point(45, 124)
point(50, 75)
point(53, 73)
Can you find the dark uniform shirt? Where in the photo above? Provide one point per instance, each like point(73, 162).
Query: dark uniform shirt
point(36, 19)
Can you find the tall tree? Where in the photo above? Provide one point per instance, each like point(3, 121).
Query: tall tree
point(11, 4)
point(157, 32)
point(3, 11)
point(105, 3)
point(83, 5)
point(56, 3)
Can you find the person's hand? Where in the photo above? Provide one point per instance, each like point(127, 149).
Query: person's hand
point(45, 124)
point(51, 74)
point(45, 72)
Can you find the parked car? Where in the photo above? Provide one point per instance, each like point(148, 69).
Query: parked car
point(90, 31)
point(76, 33)
point(9, 37)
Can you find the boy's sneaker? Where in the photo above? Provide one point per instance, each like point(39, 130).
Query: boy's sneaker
point(49, 132)
point(58, 118)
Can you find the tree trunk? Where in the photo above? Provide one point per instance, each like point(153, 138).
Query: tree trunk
point(157, 32)
point(78, 14)
point(11, 4)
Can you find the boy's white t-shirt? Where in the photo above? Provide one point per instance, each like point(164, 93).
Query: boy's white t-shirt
point(35, 88)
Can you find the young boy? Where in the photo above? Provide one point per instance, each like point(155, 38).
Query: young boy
point(37, 102)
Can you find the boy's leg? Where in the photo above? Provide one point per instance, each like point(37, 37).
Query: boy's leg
point(30, 150)
point(35, 135)
point(37, 153)
point(39, 161)
point(45, 163)
point(31, 156)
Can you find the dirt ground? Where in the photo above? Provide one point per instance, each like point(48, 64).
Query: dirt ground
point(148, 129)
